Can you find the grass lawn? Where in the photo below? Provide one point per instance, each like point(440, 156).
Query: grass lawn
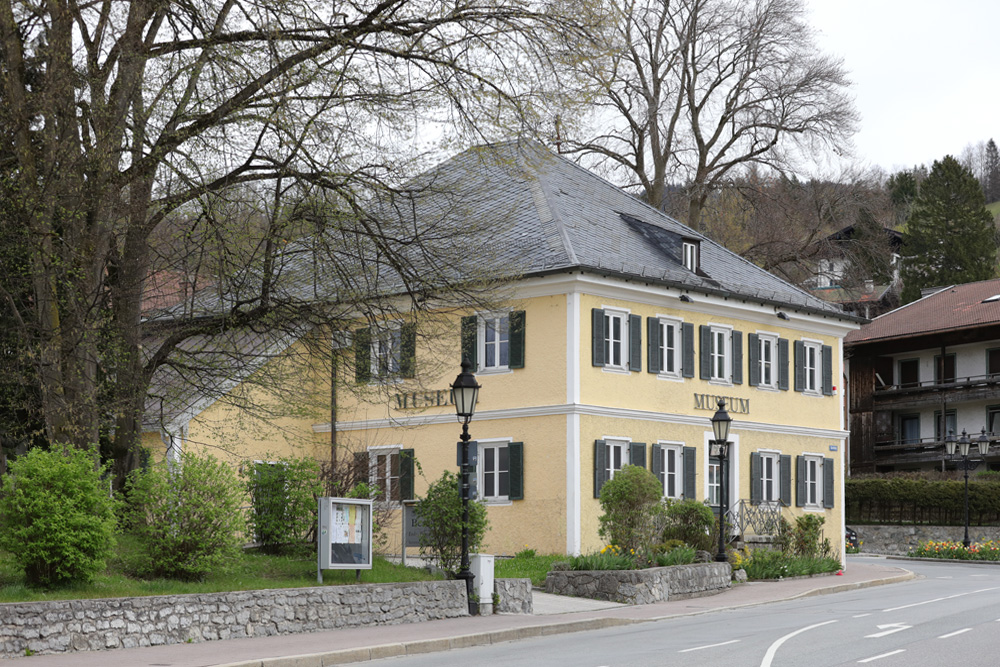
point(525, 566)
point(250, 572)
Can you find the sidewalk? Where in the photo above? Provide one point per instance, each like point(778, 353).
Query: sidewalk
point(553, 615)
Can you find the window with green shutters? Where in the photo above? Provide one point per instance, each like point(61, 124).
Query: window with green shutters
point(814, 484)
point(494, 342)
point(770, 478)
point(813, 367)
point(721, 354)
point(609, 457)
point(500, 471)
point(664, 347)
point(667, 466)
point(390, 470)
point(616, 339)
point(385, 352)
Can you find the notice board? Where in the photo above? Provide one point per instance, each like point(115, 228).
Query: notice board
point(345, 534)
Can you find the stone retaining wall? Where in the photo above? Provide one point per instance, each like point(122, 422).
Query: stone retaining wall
point(514, 596)
point(647, 586)
point(899, 540)
point(81, 625)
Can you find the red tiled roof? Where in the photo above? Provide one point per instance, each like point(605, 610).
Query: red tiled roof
point(955, 307)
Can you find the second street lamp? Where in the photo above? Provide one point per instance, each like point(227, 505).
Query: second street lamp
point(464, 394)
point(719, 448)
point(963, 445)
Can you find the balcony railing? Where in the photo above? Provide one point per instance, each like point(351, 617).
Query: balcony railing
point(987, 380)
point(750, 519)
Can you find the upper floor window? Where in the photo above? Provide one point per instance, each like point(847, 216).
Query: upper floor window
point(494, 342)
point(616, 339)
point(993, 361)
point(691, 251)
point(813, 367)
point(721, 354)
point(909, 372)
point(767, 360)
point(944, 368)
point(385, 352)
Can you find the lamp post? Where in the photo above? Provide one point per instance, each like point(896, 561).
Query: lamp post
point(464, 394)
point(719, 448)
point(963, 445)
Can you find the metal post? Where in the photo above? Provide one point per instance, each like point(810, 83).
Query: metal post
point(965, 465)
point(464, 572)
point(723, 501)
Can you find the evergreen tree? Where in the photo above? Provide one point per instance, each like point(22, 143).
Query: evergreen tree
point(991, 188)
point(950, 238)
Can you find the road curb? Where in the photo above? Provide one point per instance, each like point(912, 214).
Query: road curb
point(353, 655)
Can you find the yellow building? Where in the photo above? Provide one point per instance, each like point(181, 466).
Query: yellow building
point(618, 337)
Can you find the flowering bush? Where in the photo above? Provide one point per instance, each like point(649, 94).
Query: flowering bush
point(851, 549)
point(988, 550)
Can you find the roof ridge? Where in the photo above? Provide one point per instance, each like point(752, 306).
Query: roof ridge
point(531, 174)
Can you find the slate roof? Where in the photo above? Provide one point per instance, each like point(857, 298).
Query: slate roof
point(553, 215)
point(949, 309)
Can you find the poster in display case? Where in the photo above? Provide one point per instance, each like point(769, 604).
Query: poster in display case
point(345, 534)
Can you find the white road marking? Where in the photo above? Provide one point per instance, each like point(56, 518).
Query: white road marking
point(884, 655)
point(861, 615)
point(944, 577)
point(895, 627)
point(952, 634)
point(950, 597)
point(698, 648)
point(773, 648)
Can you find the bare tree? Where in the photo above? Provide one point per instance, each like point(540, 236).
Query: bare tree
point(692, 91)
point(126, 121)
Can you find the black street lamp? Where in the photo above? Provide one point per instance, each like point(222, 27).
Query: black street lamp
point(464, 394)
point(963, 445)
point(719, 448)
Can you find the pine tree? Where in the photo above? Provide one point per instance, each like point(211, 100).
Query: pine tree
point(950, 238)
point(991, 187)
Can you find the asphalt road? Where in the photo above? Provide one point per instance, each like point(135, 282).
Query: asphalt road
point(949, 616)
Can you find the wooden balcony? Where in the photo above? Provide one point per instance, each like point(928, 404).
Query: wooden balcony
point(923, 394)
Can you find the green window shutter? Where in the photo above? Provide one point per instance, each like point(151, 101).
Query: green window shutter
point(637, 454)
point(753, 359)
point(785, 479)
point(362, 355)
point(653, 362)
point(515, 462)
point(408, 350)
point(827, 370)
point(470, 345)
point(516, 322)
point(406, 474)
point(737, 339)
point(600, 466)
point(705, 351)
point(635, 343)
point(783, 364)
point(800, 481)
point(800, 366)
point(597, 338)
point(689, 473)
point(656, 464)
point(828, 483)
point(687, 341)
point(756, 481)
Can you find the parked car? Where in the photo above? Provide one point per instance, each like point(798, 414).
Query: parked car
point(851, 538)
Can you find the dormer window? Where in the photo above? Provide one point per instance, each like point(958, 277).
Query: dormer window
point(691, 252)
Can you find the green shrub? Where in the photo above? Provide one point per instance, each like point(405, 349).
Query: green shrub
point(57, 516)
point(680, 555)
point(691, 522)
point(186, 517)
point(806, 537)
point(283, 502)
point(608, 558)
point(776, 565)
point(440, 513)
point(633, 509)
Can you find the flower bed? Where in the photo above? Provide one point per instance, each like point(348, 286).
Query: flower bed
point(989, 550)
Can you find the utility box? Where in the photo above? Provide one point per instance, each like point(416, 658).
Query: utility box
point(481, 566)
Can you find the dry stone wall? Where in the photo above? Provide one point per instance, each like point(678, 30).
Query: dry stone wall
point(82, 625)
point(656, 584)
point(513, 596)
point(899, 540)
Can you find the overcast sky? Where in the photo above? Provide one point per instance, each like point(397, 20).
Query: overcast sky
point(925, 73)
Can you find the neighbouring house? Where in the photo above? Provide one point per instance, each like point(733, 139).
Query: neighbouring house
point(612, 346)
point(833, 281)
point(921, 372)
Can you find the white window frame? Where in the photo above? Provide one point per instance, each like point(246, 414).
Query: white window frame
point(612, 315)
point(721, 355)
point(813, 481)
point(481, 474)
point(375, 478)
point(675, 451)
point(767, 341)
point(500, 322)
point(713, 482)
point(690, 252)
point(770, 459)
point(812, 373)
point(386, 351)
point(675, 354)
point(613, 444)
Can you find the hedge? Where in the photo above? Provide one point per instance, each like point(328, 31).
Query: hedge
point(904, 500)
